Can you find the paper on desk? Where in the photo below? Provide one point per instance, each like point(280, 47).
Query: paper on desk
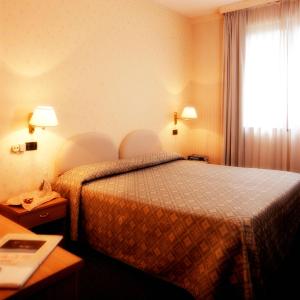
point(12, 277)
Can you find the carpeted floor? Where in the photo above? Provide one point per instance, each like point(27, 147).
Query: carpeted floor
point(285, 285)
point(108, 279)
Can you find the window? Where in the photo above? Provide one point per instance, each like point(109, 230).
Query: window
point(271, 84)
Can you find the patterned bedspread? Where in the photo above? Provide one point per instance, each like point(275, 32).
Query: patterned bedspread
point(213, 230)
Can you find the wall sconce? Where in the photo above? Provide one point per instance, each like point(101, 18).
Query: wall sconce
point(188, 113)
point(42, 116)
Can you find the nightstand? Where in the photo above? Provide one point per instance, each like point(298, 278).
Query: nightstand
point(198, 157)
point(47, 213)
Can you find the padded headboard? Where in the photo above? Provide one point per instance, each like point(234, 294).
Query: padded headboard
point(84, 149)
point(139, 142)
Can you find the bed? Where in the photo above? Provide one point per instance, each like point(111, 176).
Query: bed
point(216, 231)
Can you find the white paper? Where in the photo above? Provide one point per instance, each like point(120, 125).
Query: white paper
point(14, 276)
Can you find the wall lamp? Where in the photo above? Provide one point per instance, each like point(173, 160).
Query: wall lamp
point(188, 113)
point(42, 116)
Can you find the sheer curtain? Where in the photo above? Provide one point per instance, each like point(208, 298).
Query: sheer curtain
point(268, 113)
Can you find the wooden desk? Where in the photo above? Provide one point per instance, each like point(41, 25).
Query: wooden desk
point(56, 278)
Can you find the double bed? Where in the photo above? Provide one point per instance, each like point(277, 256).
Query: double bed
point(216, 231)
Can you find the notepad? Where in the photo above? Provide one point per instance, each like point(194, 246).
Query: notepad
point(21, 255)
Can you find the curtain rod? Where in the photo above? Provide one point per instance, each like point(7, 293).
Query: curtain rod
point(245, 4)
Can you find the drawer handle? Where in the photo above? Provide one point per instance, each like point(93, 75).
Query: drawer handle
point(45, 215)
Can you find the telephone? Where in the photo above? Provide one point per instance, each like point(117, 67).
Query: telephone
point(33, 199)
point(198, 157)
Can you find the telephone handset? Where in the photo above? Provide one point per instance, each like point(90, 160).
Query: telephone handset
point(33, 199)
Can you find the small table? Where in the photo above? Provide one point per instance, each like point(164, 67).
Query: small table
point(55, 278)
point(50, 211)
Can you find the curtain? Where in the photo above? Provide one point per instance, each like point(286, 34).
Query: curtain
point(262, 87)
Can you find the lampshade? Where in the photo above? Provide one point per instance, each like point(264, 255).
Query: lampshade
point(189, 112)
point(43, 116)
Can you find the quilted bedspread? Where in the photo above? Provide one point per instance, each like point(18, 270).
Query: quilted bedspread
point(213, 230)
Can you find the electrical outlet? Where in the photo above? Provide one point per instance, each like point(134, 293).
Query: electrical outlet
point(175, 131)
point(15, 148)
point(22, 147)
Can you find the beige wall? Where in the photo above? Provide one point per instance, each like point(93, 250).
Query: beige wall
point(105, 65)
point(206, 134)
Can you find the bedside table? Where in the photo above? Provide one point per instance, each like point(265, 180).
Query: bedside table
point(50, 211)
point(198, 157)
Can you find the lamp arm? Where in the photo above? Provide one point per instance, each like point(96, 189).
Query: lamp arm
point(175, 118)
point(31, 128)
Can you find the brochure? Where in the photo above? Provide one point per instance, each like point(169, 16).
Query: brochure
point(20, 256)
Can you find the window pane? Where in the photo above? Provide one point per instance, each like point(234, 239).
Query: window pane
point(264, 88)
point(294, 78)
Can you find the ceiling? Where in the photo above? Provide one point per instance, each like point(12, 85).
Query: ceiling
point(193, 8)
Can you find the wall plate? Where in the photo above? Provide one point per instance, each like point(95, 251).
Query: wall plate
point(31, 146)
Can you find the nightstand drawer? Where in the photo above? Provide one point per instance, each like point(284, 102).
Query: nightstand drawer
point(41, 216)
point(50, 211)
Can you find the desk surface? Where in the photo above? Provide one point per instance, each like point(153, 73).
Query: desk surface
point(57, 265)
